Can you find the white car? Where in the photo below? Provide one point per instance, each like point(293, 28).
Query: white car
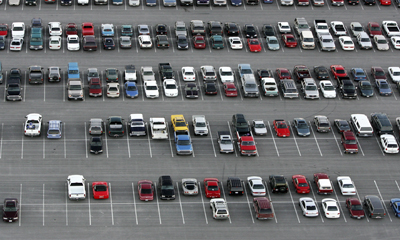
point(107, 30)
point(13, 2)
point(330, 208)
point(147, 74)
point(33, 124)
point(381, 43)
point(327, 89)
point(308, 207)
point(76, 187)
point(235, 43)
point(151, 89)
point(394, 73)
point(18, 30)
point(16, 44)
point(73, 43)
point(190, 186)
point(356, 28)
point(338, 28)
point(113, 90)
point(55, 29)
point(188, 74)
point(219, 208)
point(226, 74)
point(134, 3)
point(269, 87)
point(145, 41)
point(346, 43)
point(284, 27)
point(346, 185)
point(389, 143)
point(55, 42)
point(170, 88)
point(259, 127)
point(395, 40)
point(256, 185)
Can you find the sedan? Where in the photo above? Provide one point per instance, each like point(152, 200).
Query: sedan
point(281, 128)
point(189, 186)
point(55, 42)
point(113, 90)
point(162, 41)
point(146, 190)
point(235, 43)
point(100, 190)
point(108, 43)
point(330, 208)
point(210, 88)
point(131, 90)
point(199, 42)
point(346, 43)
point(366, 89)
point(355, 208)
point(170, 88)
point(96, 144)
point(283, 73)
point(125, 42)
point(346, 185)
point(73, 43)
point(143, 29)
point(76, 187)
point(254, 45)
point(284, 27)
point(301, 184)
point(256, 185)
point(378, 73)
point(342, 125)
point(301, 127)
point(10, 210)
point(381, 43)
point(230, 89)
point(395, 40)
point(55, 29)
point(2, 42)
point(182, 42)
point(188, 74)
point(395, 205)
point(145, 41)
point(272, 43)
point(338, 71)
point(289, 40)
point(226, 74)
point(151, 89)
point(217, 42)
point(308, 207)
point(327, 89)
point(16, 44)
point(321, 72)
point(383, 87)
point(259, 127)
point(358, 74)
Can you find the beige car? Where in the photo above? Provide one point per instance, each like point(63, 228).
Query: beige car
point(14, 2)
point(113, 90)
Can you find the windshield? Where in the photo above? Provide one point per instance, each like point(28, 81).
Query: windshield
point(311, 208)
point(311, 88)
point(375, 29)
point(384, 86)
point(183, 142)
point(328, 87)
point(302, 185)
point(18, 29)
point(348, 42)
point(356, 207)
point(212, 188)
point(302, 126)
point(96, 141)
point(75, 87)
point(148, 73)
point(382, 41)
point(170, 86)
point(226, 141)
point(100, 188)
point(259, 125)
point(180, 28)
point(308, 40)
point(358, 29)
point(327, 40)
point(379, 73)
point(132, 88)
point(230, 73)
point(258, 186)
point(348, 186)
point(151, 87)
point(265, 211)
point(73, 41)
point(200, 124)
point(248, 143)
point(365, 40)
point(54, 132)
point(332, 208)
point(146, 191)
point(190, 185)
point(350, 142)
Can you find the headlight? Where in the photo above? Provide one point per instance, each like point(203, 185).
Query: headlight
point(173, 196)
point(162, 195)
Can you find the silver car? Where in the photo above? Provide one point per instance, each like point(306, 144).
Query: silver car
point(286, 2)
point(147, 74)
point(272, 43)
point(259, 127)
point(125, 42)
point(96, 126)
point(54, 74)
point(143, 29)
point(190, 186)
point(326, 42)
point(364, 41)
point(381, 43)
point(92, 73)
point(356, 28)
point(180, 28)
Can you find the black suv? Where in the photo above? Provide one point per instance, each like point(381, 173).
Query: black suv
point(235, 186)
point(278, 183)
point(214, 28)
point(240, 123)
point(347, 88)
point(166, 186)
point(381, 123)
point(374, 206)
point(321, 72)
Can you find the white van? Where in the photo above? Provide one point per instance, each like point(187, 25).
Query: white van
point(361, 125)
point(307, 40)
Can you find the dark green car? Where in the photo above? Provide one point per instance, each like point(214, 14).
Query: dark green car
point(115, 126)
point(111, 75)
point(126, 30)
point(216, 42)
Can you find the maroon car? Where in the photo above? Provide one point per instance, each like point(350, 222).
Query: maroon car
point(301, 72)
point(146, 190)
point(89, 43)
point(355, 208)
point(10, 210)
point(349, 142)
point(95, 88)
point(378, 73)
point(262, 208)
point(373, 29)
point(283, 73)
point(199, 42)
point(71, 29)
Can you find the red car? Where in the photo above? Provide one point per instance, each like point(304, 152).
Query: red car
point(281, 128)
point(211, 187)
point(355, 207)
point(385, 2)
point(378, 73)
point(349, 142)
point(289, 40)
point(324, 185)
point(373, 29)
point(87, 29)
point(199, 42)
point(71, 29)
point(301, 184)
point(100, 190)
point(338, 71)
point(283, 73)
point(230, 89)
point(95, 88)
point(303, 2)
point(3, 29)
point(146, 190)
point(254, 45)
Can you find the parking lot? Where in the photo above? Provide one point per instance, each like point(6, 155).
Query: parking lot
point(34, 170)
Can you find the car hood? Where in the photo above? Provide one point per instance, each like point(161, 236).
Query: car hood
point(10, 214)
point(75, 92)
point(260, 130)
point(167, 192)
point(96, 148)
point(367, 92)
point(302, 131)
point(226, 146)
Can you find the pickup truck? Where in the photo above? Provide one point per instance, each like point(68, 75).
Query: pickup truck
point(166, 71)
point(338, 28)
point(13, 87)
point(183, 144)
point(179, 124)
point(321, 26)
point(225, 142)
point(200, 125)
point(137, 126)
point(35, 74)
point(75, 89)
point(246, 144)
point(391, 28)
point(158, 128)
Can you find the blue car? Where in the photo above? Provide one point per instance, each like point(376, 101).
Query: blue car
point(236, 3)
point(358, 74)
point(268, 1)
point(383, 87)
point(131, 90)
point(395, 204)
point(55, 129)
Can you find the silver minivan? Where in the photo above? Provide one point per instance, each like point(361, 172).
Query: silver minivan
point(307, 40)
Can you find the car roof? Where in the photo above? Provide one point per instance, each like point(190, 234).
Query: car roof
point(54, 124)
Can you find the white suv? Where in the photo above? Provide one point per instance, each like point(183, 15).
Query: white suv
point(389, 143)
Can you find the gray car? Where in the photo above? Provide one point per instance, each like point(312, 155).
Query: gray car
point(125, 42)
point(96, 126)
point(54, 74)
point(92, 73)
point(259, 127)
point(300, 125)
point(356, 28)
point(381, 43)
point(374, 206)
point(147, 74)
point(326, 42)
point(364, 41)
point(143, 29)
point(272, 43)
point(180, 28)
point(322, 123)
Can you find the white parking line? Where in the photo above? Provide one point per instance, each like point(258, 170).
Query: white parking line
point(66, 204)
point(22, 144)
point(248, 202)
point(43, 204)
point(1, 139)
point(25, 88)
point(65, 142)
point(379, 144)
point(359, 145)
point(116, 34)
point(158, 205)
point(86, 145)
point(172, 39)
point(63, 84)
point(180, 202)
point(5, 90)
point(315, 138)
point(169, 140)
point(273, 139)
point(397, 185)
point(211, 138)
point(337, 143)
point(20, 204)
point(383, 201)
point(277, 4)
point(294, 138)
point(202, 201)
point(359, 199)
point(111, 203)
point(230, 133)
point(294, 206)
point(341, 209)
point(44, 147)
point(148, 139)
point(127, 139)
point(223, 192)
point(134, 202)
point(179, 85)
point(88, 197)
point(105, 136)
point(316, 203)
point(269, 196)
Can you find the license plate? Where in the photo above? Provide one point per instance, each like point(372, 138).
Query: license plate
point(236, 192)
point(9, 220)
point(378, 217)
point(101, 197)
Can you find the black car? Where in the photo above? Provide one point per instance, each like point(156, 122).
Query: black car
point(162, 41)
point(108, 43)
point(381, 123)
point(278, 183)
point(300, 125)
point(366, 89)
point(342, 125)
point(231, 29)
point(89, 43)
point(13, 87)
point(301, 72)
point(182, 42)
point(321, 72)
point(191, 90)
point(161, 29)
point(210, 88)
point(250, 31)
point(235, 186)
point(268, 30)
point(2, 42)
point(115, 126)
point(240, 124)
point(166, 188)
point(264, 73)
point(369, 2)
point(10, 210)
point(96, 145)
point(374, 207)
point(214, 28)
point(347, 88)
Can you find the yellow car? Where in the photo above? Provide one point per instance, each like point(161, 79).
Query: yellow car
point(178, 123)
